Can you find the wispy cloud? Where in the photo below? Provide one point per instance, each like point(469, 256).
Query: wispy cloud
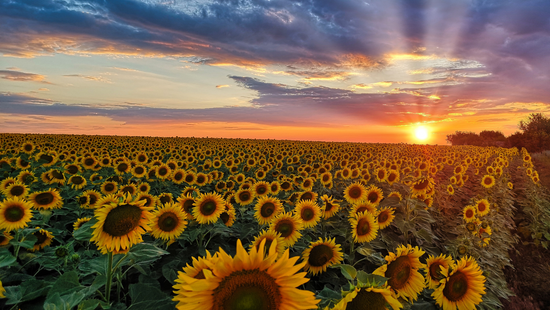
point(22, 76)
point(91, 78)
point(222, 86)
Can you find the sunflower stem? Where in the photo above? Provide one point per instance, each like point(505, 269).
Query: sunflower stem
point(18, 243)
point(109, 277)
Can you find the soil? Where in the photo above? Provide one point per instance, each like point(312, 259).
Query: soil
point(529, 278)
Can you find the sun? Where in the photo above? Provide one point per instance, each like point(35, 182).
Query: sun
point(421, 133)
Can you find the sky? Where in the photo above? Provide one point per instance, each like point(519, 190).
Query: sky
point(338, 70)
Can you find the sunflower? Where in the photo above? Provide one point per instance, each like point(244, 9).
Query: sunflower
point(288, 226)
point(5, 238)
point(362, 207)
point(355, 193)
point(274, 188)
point(247, 281)
point(364, 227)
point(229, 215)
point(109, 187)
point(309, 212)
point(201, 179)
point(44, 239)
point(269, 236)
point(15, 213)
point(322, 254)
point(395, 194)
point(79, 222)
point(433, 269)
point(186, 203)
point(22, 164)
point(482, 207)
point(267, 208)
point(371, 297)
point(77, 181)
point(393, 176)
point(208, 208)
point(326, 178)
point(385, 217)
point(93, 198)
point(191, 190)
point(450, 189)
point(470, 213)
point(422, 186)
point(462, 287)
point(121, 225)
point(50, 199)
point(169, 222)
point(488, 181)
point(28, 147)
point(25, 177)
point(244, 197)
point(330, 207)
point(260, 188)
point(286, 186)
point(308, 195)
point(163, 172)
point(374, 194)
point(122, 167)
point(510, 185)
point(7, 182)
point(16, 189)
point(381, 174)
point(402, 270)
point(164, 198)
point(138, 171)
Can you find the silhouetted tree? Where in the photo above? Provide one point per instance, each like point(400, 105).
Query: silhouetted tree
point(464, 138)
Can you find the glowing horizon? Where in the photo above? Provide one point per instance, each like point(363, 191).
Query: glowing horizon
point(357, 72)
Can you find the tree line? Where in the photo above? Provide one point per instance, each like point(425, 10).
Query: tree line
point(533, 134)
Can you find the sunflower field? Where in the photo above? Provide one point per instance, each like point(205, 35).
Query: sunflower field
point(108, 222)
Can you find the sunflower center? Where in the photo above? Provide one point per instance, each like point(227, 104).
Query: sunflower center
point(44, 198)
point(168, 221)
point(372, 300)
point(164, 199)
point(109, 187)
point(14, 213)
point(41, 237)
point(381, 174)
point(163, 171)
point(422, 185)
point(17, 190)
point(363, 227)
point(326, 178)
point(83, 200)
point(188, 206)
point(200, 179)
point(481, 207)
point(267, 209)
point(28, 147)
point(487, 181)
point(285, 228)
point(58, 175)
point(225, 217)
point(456, 287)
point(435, 271)
point(285, 185)
point(268, 242)
point(89, 161)
point(320, 255)
point(93, 199)
point(372, 197)
point(355, 193)
point(244, 196)
point(139, 170)
point(122, 167)
point(208, 207)
point(399, 272)
point(306, 196)
point(469, 213)
point(122, 220)
point(328, 206)
point(392, 177)
point(247, 290)
point(261, 190)
point(383, 217)
point(47, 158)
point(178, 176)
point(78, 180)
point(72, 169)
point(307, 214)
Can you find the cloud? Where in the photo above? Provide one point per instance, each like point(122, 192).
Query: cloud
point(22, 76)
point(91, 78)
point(43, 89)
point(222, 86)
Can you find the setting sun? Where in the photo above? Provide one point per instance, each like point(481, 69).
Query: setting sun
point(421, 133)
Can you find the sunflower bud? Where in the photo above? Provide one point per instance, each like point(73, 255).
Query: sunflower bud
point(462, 249)
point(61, 252)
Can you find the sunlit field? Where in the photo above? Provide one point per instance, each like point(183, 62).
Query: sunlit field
point(107, 222)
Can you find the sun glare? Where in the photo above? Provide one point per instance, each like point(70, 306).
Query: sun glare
point(421, 133)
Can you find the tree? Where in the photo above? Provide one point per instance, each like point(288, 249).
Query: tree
point(536, 122)
point(492, 138)
point(464, 138)
point(536, 133)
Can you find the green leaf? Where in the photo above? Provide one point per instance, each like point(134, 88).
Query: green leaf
point(347, 270)
point(84, 233)
point(423, 305)
point(327, 293)
point(145, 252)
point(65, 302)
point(65, 284)
point(88, 304)
point(169, 271)
point(28, 290)
point(149, 297)
point(6, 259)
point(370, 279)
point(94, 265)
point(28, 242)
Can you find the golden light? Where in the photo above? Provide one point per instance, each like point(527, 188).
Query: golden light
point(421, 133)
